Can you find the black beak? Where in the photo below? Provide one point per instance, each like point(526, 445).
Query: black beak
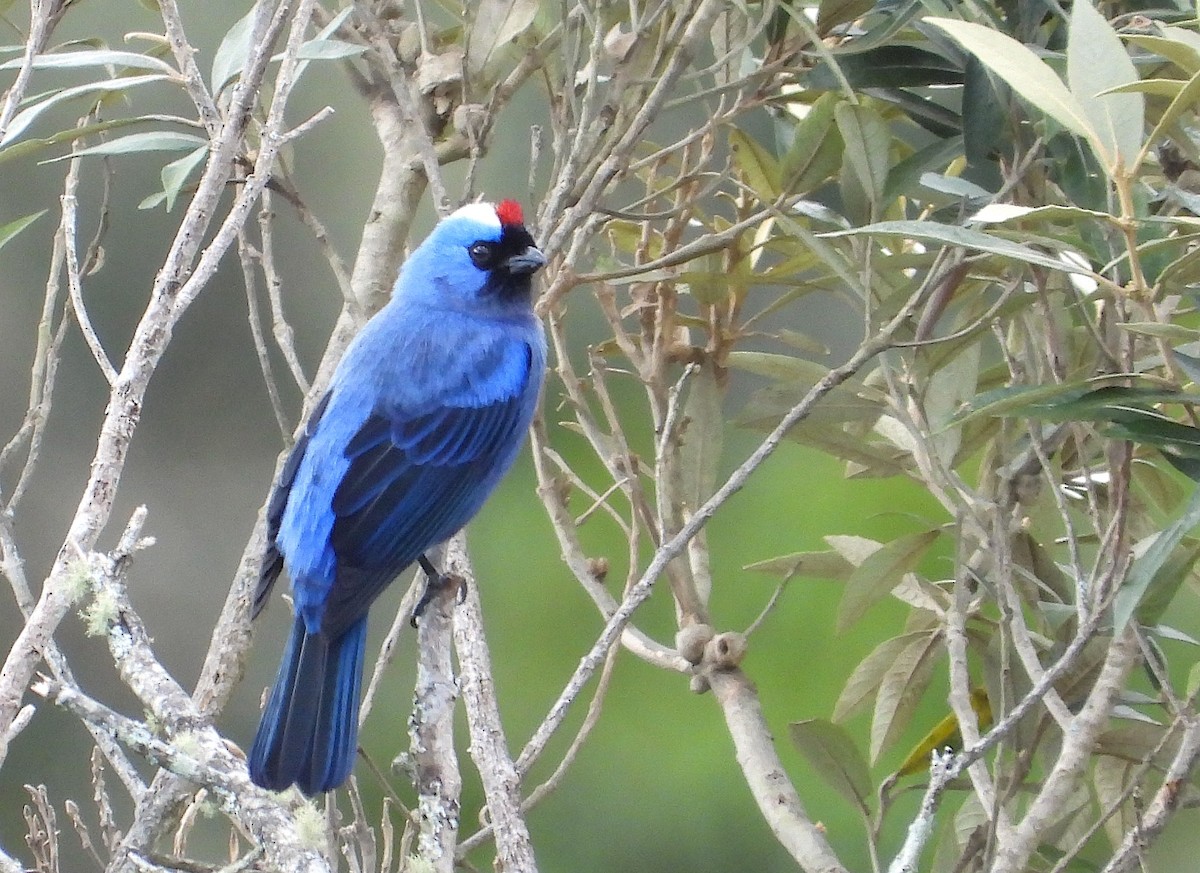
point(526, 263)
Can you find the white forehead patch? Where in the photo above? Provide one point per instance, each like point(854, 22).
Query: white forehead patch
point(482, 213)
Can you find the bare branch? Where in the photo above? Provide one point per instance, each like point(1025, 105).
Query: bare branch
point(773, 791)
point(489, 749)
point(432, 757)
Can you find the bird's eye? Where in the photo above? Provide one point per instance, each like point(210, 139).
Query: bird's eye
point(482, 254)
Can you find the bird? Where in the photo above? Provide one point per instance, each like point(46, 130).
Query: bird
point(425, 413)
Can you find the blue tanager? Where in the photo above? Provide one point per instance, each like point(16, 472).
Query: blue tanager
point(425, 413)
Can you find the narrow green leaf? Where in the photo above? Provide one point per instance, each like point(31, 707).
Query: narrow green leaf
point(955, 186)
point(879, 574)
point(148, 141)
point(329, 50)
point(1182, 55)
point(1183, 102)
point(1168, 88)
point(707, 286)
point(948, 388)
point(323, 37)
point(93, 58)
point(703, 437)
point(10, 230)
point(1096, 62)
point(232, 52)
point(27, 116)
point(1071, 401)
point(835, 757)
point(867, 143)
point(1161, 591)
point(1026, 73)
point(818, 565)
point(1002, 213)
point(863, 683)
point(496, 24)
point(1111, 778)
point(831, 13)
point(901, 688)
point(34, 144)
point(176, 173)
point(984, 115)
point(936, 156)
point(1167, 632)
point(1183, 36)
point(1189, 364)
point(816, 150)
point(1147, 565)
point(782, 368)
point(898, 65)
point(953, 235)
point(968, 820)
point(864, 458)
point(758, 166)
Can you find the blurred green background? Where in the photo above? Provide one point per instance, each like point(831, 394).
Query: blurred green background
point(657, 787)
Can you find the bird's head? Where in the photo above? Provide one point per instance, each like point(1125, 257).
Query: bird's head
point(480, 256)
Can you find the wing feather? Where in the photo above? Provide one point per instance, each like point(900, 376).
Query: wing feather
point(413, 481)
point(272, 562)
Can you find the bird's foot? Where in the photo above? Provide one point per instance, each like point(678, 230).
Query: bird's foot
point(436, 585)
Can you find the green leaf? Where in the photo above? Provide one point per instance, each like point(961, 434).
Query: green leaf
point(1146, 566)
point(1071, 401)
point(232, 52)
point(1182, 102)
point(1110, 777)
point(872, 580)
point(34, 145)
point(10, 230)
point(955, 186)
point(867, 143)
point(703, 437)
point(176, 173)
point(1189, 364)
point(835, 757)
point(149, 141)
point(758, 166)
point(816, 150)
point(831, 13)
point(901, 688)
point(496, 24)
point(324, 46)
point(863, 683)
point(819, 565)
point(953, 235)
point(888, 66)
point(1179, 53)
point(27, 116)
point(93, 58)
point(983, 115)
point(1002, 213)
point(1096, 62)
point(1152, 428)
point(1027, 74)
point(948, 388)
point(329, 50)
point(935, 156)
point(863, 457)
point(707, 286)
point(1165, 584)
point(782, 368)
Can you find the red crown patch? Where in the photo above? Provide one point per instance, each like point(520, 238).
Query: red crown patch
point(509, 213)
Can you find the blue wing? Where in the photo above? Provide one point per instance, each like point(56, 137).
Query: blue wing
point(272, 562)
point(413, 481)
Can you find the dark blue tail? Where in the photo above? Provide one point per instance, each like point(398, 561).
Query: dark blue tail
point(309, 731)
